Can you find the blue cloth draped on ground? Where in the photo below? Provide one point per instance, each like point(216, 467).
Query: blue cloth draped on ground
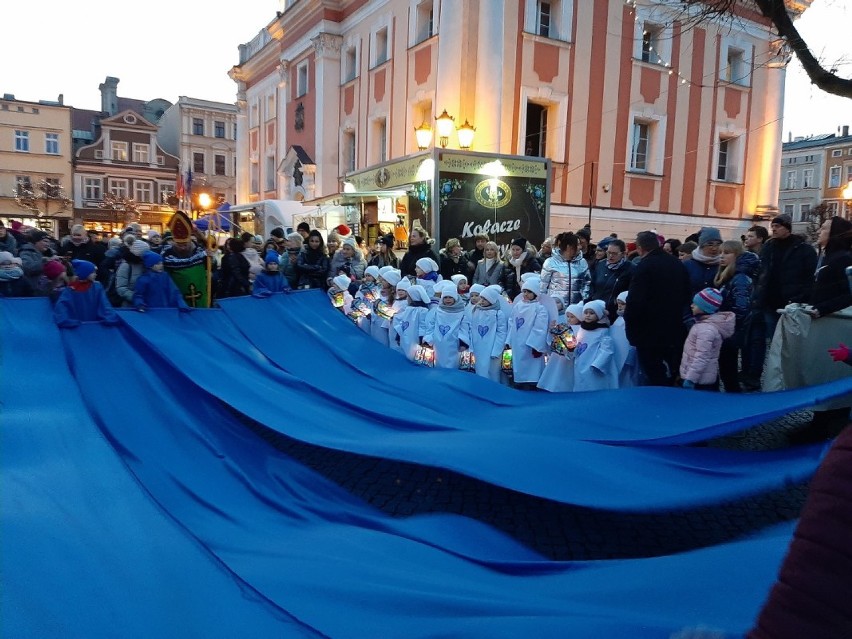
point(553, 466)
point(305, 545)
point(322, 350)
point(84, 551)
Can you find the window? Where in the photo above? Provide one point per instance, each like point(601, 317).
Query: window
point(197, 126)
point(119, 188)
point(425, 17)
point(198, 163)
point(141, 153)
point(536, 131)
point(379, 140)
point(722, 164)
point(804, 212)
point(807, 178)
point(834, 177)
point(735, 61)
point(92, 188)
point(651, 36)
point(166, 190)
point(639, 146)
point(302, 79)
point(270, 107)
point(735, 71)
point(270, 173)
point(253, 117)
point(350, 64)
point(543, 19)
point(832, 209)
point(219, 129)
point(348, 147)
point(381, 47)
point(255, 186)
point(219, 165)
point(23, 184)
point(119, 151)
point(22, 141)
point(789, 209)
point(790, 182)
point(51, 143)
point(53, 188)
point(849, 174)
point(144, 192)
point(836, 153)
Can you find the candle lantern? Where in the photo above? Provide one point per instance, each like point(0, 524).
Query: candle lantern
point(425, 356)
point(562, 339)
point(467, 361)
point(337, 299)
point(384, 310)
point(506, 361)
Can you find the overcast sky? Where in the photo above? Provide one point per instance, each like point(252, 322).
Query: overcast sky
point(165, 49)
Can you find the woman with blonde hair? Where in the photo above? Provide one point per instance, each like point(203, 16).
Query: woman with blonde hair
point(489, 269)
point(734, 279)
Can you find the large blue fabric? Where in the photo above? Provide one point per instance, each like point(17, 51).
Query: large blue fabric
point(173, 519)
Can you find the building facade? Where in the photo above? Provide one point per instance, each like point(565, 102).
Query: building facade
point(203, 135)
point(838, 175)
point(647, 119)
point(35, 163)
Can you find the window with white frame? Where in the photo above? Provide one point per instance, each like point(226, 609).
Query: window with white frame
point(23, 184)
point(789, 209)
point(380, 46)
point(119, 188)
point(790, 181)
point(219, 165)
point(807, 178)
point(254, 175)
point(347, 160)
point(118, 150)
point(198, 162)
point(640, 146)
point(735, 61)
point(22, 141)
point(165, 191)
point(301, 79)
point(218, 129)
point(141, 153)
point(729, 158)
point(836, 153)
point(51, 143)
point(93, 188)
point(543, 21)
point(804, 212)
point(535, 138)
point(54, 187)
point(832, 209)
point(350, 63)
point(253, 116)
point(652, 40)
point(834, 177)
point(269, 173)
point(424, 16)
point(270, 107)
point(849, 174)
point(379, 139)
point(144, 191)
point(197, 126)
point(549, 19)
point(652, 35)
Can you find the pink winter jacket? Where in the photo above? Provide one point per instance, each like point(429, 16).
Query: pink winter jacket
point(700, 363)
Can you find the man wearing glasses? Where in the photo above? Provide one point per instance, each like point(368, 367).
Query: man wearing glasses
point(611, 276)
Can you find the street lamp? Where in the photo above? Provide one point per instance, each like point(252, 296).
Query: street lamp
point(847, 196)
point(423, 134)
point(445, 123)
point(465, 133)
point(204, 201)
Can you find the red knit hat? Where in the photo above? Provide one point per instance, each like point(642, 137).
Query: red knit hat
point(342, 230)
point(53, 269)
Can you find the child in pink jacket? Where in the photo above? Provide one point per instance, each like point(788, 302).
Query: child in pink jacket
point(699, 367)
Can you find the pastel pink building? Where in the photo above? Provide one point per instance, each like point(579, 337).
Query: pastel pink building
point(648, 120)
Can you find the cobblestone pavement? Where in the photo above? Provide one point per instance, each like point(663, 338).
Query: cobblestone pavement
point(558, 531)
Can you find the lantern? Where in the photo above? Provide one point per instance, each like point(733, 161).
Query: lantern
point(337, 299)
point(362, 307)
point(563, 341)
point(369, 294)
point(467, 361)
point(355, 316)
point(424, 356)
point(506, 361)
point(384, 310)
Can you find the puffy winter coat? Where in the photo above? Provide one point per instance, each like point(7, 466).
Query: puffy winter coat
point(737, 292)
point(700, 363)
point(312, 267)
point(570, 279)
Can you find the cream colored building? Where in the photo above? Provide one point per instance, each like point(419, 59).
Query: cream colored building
point(35, 148)
point(647, 122)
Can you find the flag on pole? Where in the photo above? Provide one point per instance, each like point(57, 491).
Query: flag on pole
point(189, 188)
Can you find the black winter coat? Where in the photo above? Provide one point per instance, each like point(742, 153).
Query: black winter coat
point(791, 271)
point(608, 283)
point(90, 251)
point(509, 279)
point(659, 289)
point(415, 252)
point(831, 287)
point(312, 267)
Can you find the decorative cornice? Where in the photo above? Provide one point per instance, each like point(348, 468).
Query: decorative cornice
point(327, 44)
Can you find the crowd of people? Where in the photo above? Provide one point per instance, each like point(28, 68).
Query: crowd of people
point(569, 315)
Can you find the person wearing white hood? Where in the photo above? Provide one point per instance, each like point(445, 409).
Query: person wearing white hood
point(558, 375)
point(443, 324)
point(485, 331)
point(410, 324)
point(399, 305)
point(626, 362)
point(527, 335)
point(339, 293)
point(379, 322)
point(426, 270)
point(594, 357)
point(364, 298)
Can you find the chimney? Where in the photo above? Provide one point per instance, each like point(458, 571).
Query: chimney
point(109, 95)
point(845, 130)
point(61, 99)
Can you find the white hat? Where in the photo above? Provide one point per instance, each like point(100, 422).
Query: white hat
point(598, 307)
point(6, 256)
point(392, 276)
point(440, 286)
point(528, 275)
point(350, 241)
point(477, 288)
point(426, 264)
point(372, 270)
point(622, 297)
point(139, 247)
point(558, 297)
point(385, 269)
point(152, 234)
point(404, 284)
point(450, 291)
point(342, 282)
point(491, 294)
point(532, 284)
point(576, 310)
point(457, 278)
point(418, 294)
